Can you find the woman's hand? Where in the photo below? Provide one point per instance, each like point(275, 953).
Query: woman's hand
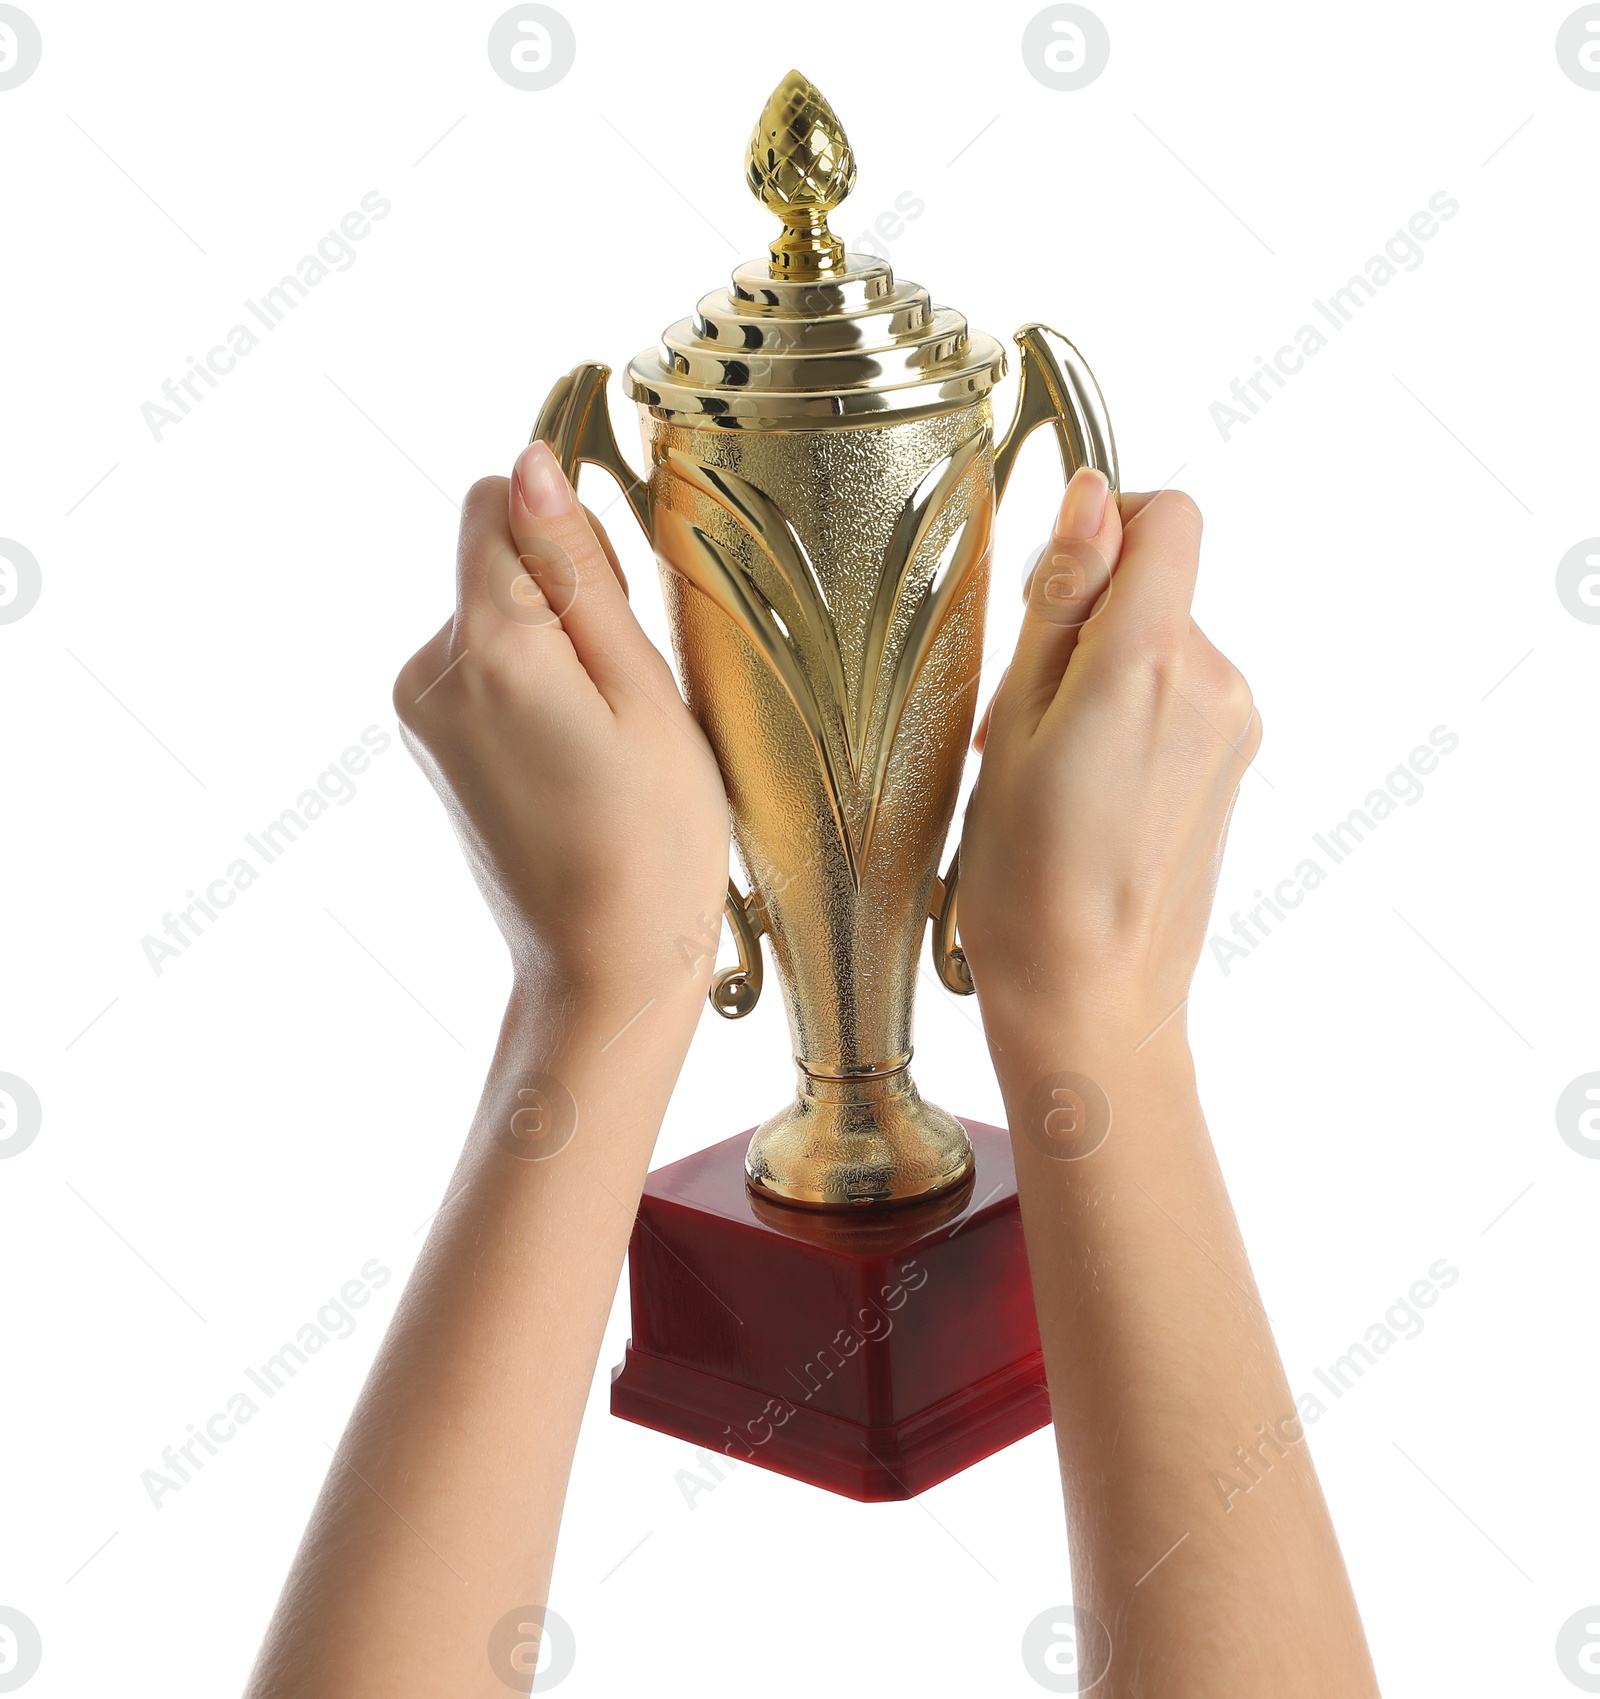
point(1112, 753)
point(585, 795)
point(592, 815)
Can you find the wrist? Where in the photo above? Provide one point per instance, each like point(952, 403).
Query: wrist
point(602, 1010)
point(602, 1053)
point(1068, 1066)
point(1113, 1018)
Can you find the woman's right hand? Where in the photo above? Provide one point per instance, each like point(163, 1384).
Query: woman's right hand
point(586, 796)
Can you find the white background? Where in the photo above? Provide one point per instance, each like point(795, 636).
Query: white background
point(225, 611)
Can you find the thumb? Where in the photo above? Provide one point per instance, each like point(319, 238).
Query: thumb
point(1063, 590)
point(559, 549)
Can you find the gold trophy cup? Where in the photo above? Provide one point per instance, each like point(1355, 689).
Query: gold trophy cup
point(822, 487)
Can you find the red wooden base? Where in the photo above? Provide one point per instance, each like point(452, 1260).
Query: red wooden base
point(873, 1353)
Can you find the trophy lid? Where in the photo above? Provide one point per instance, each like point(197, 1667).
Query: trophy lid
point(811, 335)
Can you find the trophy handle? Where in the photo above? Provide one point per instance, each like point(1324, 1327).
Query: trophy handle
point(949, 959)
point(576, 423)
point(734, 991)
point(1057, 389)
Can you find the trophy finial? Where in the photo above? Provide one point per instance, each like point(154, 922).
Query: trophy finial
point(801, 167)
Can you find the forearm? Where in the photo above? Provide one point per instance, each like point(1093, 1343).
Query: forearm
point(1199, 1534)
point(441, 1509)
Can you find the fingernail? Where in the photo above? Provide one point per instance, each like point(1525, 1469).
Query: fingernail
point(1083, 507)
point(541, 483)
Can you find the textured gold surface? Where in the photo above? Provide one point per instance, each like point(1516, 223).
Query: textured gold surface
point(826, 593)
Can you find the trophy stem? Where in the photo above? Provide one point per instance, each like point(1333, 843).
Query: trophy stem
point(869, 1139)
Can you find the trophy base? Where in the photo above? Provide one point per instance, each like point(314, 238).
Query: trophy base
point(874, 1352)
